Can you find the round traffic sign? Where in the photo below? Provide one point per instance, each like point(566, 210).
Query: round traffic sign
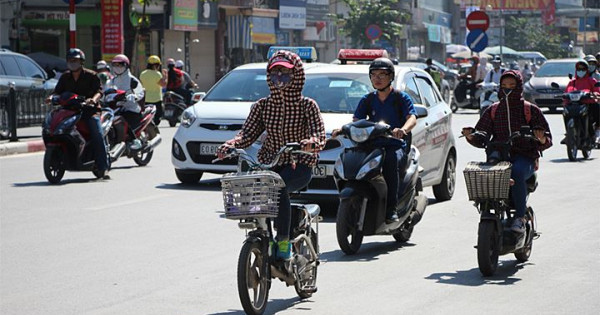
point(478, 20)
point(373, 31)
point(477, 40)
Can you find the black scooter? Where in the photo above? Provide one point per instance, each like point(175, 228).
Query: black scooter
point(363, 190)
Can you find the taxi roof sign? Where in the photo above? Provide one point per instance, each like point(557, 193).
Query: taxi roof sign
point(305, 53)
point(361, 54)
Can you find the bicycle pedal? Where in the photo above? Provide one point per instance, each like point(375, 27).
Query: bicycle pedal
point(309, 289)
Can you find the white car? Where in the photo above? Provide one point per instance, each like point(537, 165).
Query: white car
point(337, 88)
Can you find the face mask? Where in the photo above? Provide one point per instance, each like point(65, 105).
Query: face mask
point(592, 68)
point(119, 70)
point(73, 66)
point(581, 73)
point(507, 91)
point(281, 80)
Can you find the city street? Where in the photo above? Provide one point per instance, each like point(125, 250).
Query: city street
point(141, 243)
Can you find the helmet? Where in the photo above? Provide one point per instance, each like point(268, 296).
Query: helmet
point(154, 59)
point(382, 64)
point(101, 65)
point(75, 53)
point(497, 59)
point(179, 64)
point(171, 61)
point(121, 58)
point(589, 58)
point(582, 62)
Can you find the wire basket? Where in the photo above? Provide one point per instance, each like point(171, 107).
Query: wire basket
point(251, 195)
point(488, 181)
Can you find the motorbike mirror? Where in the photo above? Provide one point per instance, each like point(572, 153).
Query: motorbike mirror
point(597, 84)
point(554, 85)
point(570, 76)
point(421, 111)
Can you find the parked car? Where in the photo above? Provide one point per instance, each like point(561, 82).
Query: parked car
point(538, 90)
point(337, 88)
point(445, 87)
point(534, 57)
point(32, 85)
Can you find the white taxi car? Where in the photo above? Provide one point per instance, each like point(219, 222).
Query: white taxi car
point(337, 88)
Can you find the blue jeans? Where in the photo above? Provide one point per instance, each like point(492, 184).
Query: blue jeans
point(98, 144)
point(522, 169)
point(294, 179)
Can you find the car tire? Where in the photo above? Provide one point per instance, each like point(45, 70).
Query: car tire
point(188, 178)
point(445, 189)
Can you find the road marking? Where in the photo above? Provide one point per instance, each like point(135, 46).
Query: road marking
point(128, 202)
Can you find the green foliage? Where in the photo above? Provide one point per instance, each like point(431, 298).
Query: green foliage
point(523, 35)
point(366, 12)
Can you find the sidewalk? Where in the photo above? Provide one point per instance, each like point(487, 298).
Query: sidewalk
point(30, 140)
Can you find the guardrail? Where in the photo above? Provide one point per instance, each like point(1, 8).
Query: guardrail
point(21, 109)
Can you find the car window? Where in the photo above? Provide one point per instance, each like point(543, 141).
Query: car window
point(240, 86)
point(411, 89)
point(10, 66)
point(337, 92)
point(30, 69)
point(427, 91)
point(555, 69)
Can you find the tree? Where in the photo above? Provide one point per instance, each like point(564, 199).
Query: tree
point(366, 12)
point(521, 33)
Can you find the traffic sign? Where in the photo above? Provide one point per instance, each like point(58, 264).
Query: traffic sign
point(478, 20)
point(373, 31)
point(477, 40)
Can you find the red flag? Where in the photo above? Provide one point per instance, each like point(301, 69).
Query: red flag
point(548, 16)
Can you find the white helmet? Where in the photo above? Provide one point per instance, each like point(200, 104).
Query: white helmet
point(179, 64)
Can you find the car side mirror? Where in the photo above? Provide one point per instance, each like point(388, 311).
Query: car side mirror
point(554, 85)
point(421, 111)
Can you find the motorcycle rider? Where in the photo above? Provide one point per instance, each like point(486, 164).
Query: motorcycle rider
point(497, 71)
point(396, 109)
point(477, 73)
point(593, 67)
point(188, 83)
point(154, 79)
point(175, 79)
point(584, 82)
point(103, 72)
point(434, 72)
point(126, 81)
point(85, 82)
point(509, 117)
point(303, 124)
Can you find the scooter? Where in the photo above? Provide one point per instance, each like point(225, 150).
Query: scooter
point(488, 185)
point(363, 190)
point(119, 135)
point(575, 116)
point(175, 105)
point(462, 96)
point(67, 138)
point(488, 96)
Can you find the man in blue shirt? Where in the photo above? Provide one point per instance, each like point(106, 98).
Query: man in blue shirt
point(397, 110)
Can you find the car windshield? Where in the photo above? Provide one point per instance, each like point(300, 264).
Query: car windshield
point(248, 85)
point(555, 69)
point(337, 92)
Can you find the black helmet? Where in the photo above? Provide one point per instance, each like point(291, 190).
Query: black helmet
point(382, 64)
point(75, 53)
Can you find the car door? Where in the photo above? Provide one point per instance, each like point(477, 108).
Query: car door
point(438, 122)
point(13, 72)
point(32, 72)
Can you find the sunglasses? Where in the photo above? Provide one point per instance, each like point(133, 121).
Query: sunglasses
point(281, 70)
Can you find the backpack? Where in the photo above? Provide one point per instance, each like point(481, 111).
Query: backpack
point(396, 95)
point(526, 109)
point(492, 73)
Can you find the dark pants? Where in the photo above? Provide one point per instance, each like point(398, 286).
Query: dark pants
point(186, 94)
point(133, 120)
point(594, 117)
point(295, 179)
point(98, 143)
point(393, 173)
point(159, 111)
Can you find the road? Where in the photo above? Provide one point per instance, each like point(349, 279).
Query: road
point(141, 243)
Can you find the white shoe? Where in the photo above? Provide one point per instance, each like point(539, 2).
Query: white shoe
point(597, 136)
point(135, 145)
point(518, 225)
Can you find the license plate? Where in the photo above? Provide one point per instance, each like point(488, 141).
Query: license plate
point(208, 148)
point(319, 171)
point(168, 113)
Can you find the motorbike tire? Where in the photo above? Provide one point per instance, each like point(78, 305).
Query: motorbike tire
point(453, 106)
point(312, 280)
point(54, 164)
point(488, 248)
point(143, 158)
point(445, 189)
point(253, 278)
point(345, 226)
point(572, 144)
point(172, 122)
point(523, 254)
point(586, 152)
point(188, 178)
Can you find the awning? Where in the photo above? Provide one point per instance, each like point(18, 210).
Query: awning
point(238, 32)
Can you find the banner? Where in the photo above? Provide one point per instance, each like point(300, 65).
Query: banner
point(112, 28)
point(185, 15)
point(292, 14)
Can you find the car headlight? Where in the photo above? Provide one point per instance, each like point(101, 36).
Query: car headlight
point(187, 118)
point(360, 134)
point(369, 166)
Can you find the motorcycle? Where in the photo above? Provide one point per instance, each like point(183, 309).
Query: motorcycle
point(488, 184)
point(67, 137)
point(119, 134)
point(462, 96)
point(489, 96)
point(251, 196)
point(363, 190)
point(175, 105)
point(575, 116)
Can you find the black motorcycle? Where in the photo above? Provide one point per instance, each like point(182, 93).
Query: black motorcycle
point(577, 123)
point(462, 95)
point(175, 105)
point(488, 184)
point(363, 190)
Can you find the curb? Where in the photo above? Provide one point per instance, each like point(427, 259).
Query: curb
point(21, 147)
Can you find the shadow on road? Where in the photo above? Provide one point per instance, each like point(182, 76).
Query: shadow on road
point(62, 182)
point(367, 252)
point(203, 185)
point(504, 275)
point(566, 160)
point(276, 306)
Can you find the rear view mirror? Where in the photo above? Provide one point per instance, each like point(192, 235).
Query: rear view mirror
point(421, 111)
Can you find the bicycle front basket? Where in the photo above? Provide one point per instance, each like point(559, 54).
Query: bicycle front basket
point(251, 195)
point(487, 181)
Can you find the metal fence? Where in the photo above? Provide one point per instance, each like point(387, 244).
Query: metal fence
point(21, 109)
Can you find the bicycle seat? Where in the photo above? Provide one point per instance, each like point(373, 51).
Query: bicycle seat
point(532, 183)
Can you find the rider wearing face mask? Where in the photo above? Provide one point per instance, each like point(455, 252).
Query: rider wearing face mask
point(593, 67)
point(286, 116)
point(124, 80)
point(509, 117)
point(584, 82)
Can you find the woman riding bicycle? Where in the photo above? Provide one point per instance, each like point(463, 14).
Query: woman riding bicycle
point(286, 116)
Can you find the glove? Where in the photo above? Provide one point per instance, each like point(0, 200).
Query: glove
point(130, 98)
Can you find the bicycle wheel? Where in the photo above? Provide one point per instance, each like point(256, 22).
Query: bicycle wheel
point(253, 278)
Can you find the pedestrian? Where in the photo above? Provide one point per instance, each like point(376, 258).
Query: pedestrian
point(154, 79)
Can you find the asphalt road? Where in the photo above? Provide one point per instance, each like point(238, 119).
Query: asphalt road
point(141, 243)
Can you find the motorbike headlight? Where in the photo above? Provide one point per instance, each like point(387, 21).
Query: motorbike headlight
point(369, 166)
point(187, 118)
point(360, 134)
point(339, 167)
point(574, 97)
